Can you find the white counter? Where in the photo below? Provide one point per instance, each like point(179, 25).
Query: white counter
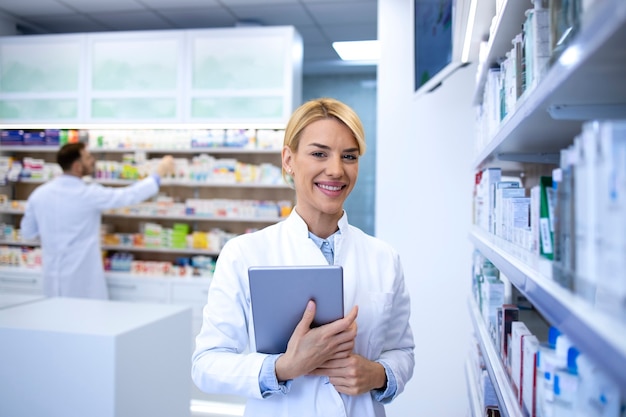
point(11, 300)
point(74, 357)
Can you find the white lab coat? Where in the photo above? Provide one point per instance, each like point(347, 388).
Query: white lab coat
point(65, 214)
point(224, 360)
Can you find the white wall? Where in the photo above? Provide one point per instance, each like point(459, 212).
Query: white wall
point(423, 208)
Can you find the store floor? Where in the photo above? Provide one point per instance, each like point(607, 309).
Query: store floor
point(216, 408)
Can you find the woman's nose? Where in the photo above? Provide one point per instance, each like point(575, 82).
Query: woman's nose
point(334, 167)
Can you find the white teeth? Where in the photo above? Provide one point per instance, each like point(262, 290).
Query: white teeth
point(329, 187)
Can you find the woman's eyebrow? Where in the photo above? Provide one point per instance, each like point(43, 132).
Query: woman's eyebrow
point(326, 147)
point(319, 145)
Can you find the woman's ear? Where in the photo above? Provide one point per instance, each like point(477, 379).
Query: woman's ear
point(287, 159)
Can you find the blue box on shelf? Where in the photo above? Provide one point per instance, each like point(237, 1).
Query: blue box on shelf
point(12, 137)
point(34, 138)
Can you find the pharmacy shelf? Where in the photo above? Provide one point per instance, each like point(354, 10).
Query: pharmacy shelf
point(190, 251)
point(509, 406)
point(144, 126)
point(595, 333)
point(586, 82)
point(11, 210)
point(6, 272)
point(36, 243)
point(184, 151)
point(13, 242)
point(191, 218)
point(177, 183)
point(157, 278)
point(472, 390)
point(188, 218)
point(32, 180)
point(192, 184)
point(29, 149)
point(508, 24)
point(16, 271)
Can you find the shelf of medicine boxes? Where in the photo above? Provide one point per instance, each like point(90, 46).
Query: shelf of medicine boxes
point(595, 333)
point(12, 277)
point(4, 209)
point(193, 251)
point(208, 150)
point(178, 183)
point(124, 248)
point(507, 400)
point(508, 22)
point(11, 242)
point(586, 82)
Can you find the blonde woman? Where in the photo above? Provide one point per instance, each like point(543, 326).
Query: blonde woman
point(350, 367)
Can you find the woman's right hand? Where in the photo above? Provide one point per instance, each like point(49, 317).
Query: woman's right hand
point(309, 348)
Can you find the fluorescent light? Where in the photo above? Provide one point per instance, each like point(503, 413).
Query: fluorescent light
point(469, 30)
point(358, 50)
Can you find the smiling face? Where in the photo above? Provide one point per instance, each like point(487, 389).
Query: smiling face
point(324, 168)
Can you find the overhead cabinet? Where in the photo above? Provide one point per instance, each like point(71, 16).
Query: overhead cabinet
point(41, 78)
point(135, 77)
point(242, 75)
point(235, 75)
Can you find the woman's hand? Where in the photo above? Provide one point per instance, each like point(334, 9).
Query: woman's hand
point(353, 375)
point(309, 348)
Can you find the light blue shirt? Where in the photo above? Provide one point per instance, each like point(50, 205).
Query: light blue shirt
point(267, 379)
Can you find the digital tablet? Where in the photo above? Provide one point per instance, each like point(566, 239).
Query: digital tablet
point(279, 296)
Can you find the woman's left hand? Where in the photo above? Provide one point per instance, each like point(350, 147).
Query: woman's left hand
point(353, 375)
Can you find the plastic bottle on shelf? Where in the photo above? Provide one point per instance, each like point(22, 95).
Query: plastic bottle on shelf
point(550, 357)
point(566, 386)
point(598, 395)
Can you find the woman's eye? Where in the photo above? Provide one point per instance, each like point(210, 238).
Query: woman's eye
point(351, 157)
point(318, 154)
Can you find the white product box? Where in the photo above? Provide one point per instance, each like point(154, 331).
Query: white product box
point(528, 390)
point(492, 297)
point(486, 196)
point(504, 190)
point(518, 332)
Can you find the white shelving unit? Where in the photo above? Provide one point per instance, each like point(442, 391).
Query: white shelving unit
point(213, 151)
point(509, 406)
point(190, 251)
point(11, 242)
point(586, 82)
point(595, 333)
point(472, 390)
point(508, 24)
point(15, 280)
point(188, 189)
point(189, 218)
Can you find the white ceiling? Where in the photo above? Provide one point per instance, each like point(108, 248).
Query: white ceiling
point(320, 22)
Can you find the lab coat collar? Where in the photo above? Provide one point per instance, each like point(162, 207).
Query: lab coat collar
point(69, 178)
point(297, 223)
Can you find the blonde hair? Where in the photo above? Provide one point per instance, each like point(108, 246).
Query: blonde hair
point(320, 109)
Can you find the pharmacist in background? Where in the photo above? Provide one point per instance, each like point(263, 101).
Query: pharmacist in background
point(350, 367)
point(65, 214)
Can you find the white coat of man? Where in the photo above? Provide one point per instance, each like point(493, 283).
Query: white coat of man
point(65, 213)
